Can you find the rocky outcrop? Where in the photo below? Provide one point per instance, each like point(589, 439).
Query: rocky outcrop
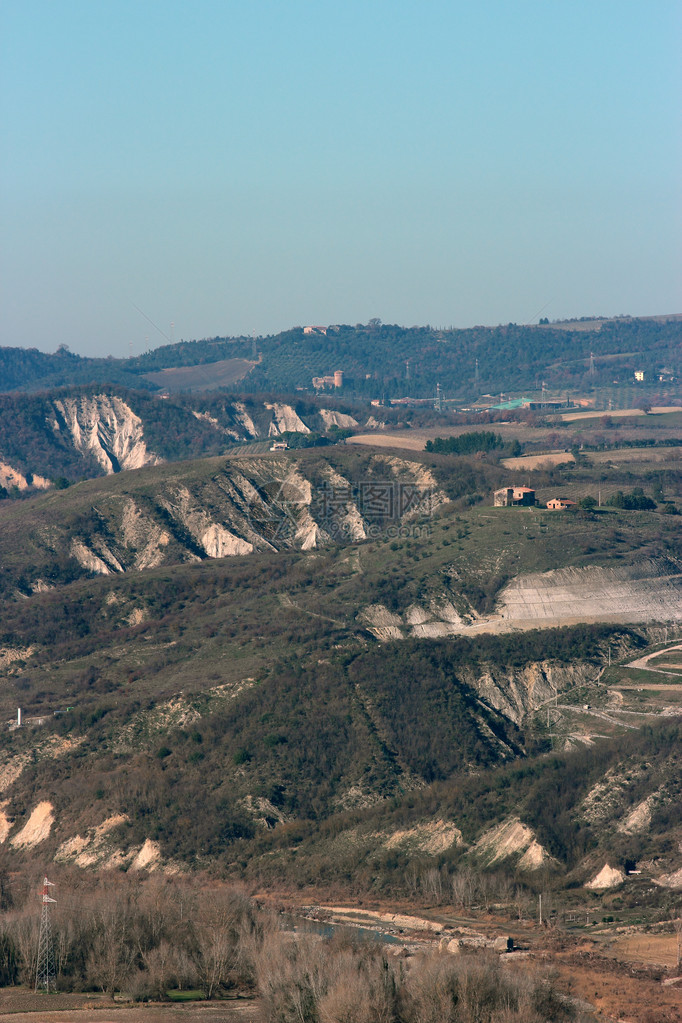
point(36, 829)
point(285, 420)
point(245, 505)
point(10, 477)
point(107, 428)
point(340, 419)
point(511, 839)
point(92, 848)
point(608, 877)
point(431, 837)
point(517, 692)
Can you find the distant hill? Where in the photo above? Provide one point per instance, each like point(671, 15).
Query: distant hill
point(378, 359)
point(90, 431)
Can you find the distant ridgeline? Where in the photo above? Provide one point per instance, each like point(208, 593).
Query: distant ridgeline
point(377, 359)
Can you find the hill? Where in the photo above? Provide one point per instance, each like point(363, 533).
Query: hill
point(374, 359)
point(304, 646)
point(85, 432)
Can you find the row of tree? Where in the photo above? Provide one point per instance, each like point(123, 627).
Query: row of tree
point(149, 940)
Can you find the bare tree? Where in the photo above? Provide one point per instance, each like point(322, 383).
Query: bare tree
point(216, 930)
point(293, 977)
point(360, 990)
point(110, 961)
point(676, 919)
point(26, 932)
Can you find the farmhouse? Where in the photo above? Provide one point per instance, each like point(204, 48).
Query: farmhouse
point(560, 504)
point(509, 496)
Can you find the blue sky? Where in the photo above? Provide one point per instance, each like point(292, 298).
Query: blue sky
point(235, 167)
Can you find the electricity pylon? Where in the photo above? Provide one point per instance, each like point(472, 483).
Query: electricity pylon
point(46, 975)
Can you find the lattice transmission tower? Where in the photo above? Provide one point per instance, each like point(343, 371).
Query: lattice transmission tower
point(46, 975)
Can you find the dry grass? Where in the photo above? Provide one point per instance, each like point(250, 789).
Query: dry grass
point(620, 413)
point(539, 461)
point(411, 440)
point(654, 455)
point(618, 993)
point(652, 949)
point(202, 377)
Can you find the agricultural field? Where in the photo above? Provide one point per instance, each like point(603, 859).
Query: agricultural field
point(225, 373)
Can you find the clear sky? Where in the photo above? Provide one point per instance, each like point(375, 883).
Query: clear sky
point(229, 166)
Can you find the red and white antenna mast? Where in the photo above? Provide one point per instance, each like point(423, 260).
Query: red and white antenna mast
point(46, 975)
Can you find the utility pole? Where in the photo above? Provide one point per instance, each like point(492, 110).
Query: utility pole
point(540, 904)
point(46, 975)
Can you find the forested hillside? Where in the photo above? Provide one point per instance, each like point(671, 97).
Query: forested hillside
point(374, 357)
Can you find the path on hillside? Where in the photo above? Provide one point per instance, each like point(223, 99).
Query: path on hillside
point(643, 662)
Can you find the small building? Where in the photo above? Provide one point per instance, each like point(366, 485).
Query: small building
point(315, 330)
point(279, 445)
point(514, 496)
point(560, 504)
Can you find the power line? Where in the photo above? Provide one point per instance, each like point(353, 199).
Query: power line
point(46, 975)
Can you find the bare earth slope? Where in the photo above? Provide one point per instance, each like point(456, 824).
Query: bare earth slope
point(648, 591)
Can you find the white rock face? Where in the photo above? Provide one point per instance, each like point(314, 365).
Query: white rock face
point(381, 622)
point(206, 417)
point(10, 771)
point(216, 540)
point(433, 837)
point(219, 542)
point(340, 419)
point(639, 819)
point(673, 880)
point(348, 520)
point(143, 536)
point(89, 560)
point(36, 829)
point(10, 477)
point(5, 825)
point(88, 850)
point(534, 857)
point(107, 427)
point(243, 417)
point(510, 838)
point(285, 420)
point(608, 877)
point(148, 857)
